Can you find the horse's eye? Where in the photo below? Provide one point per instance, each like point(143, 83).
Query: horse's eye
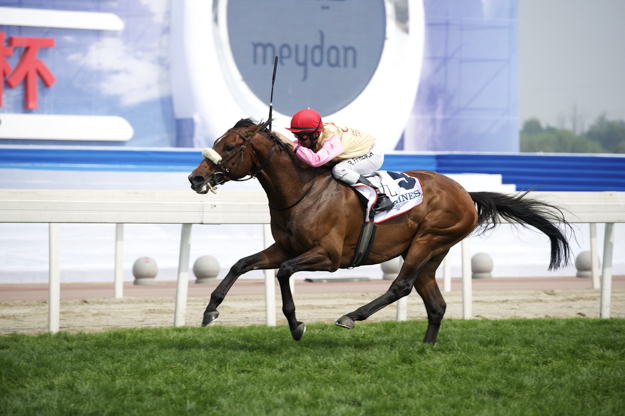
point(229, 148)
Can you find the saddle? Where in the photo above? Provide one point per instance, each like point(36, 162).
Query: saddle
point(405, 192)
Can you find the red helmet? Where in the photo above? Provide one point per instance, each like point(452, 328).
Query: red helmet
point(306, 120)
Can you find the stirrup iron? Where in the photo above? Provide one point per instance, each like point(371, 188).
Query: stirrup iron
point(383, 203)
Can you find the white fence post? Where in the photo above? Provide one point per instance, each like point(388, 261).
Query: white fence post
point(54, 284)
point(447, 274)
point(467, 297)
point(182, 287)
point(594, 258)
point(270, 283)
point(606, 276)
point(402, 304)
point(402, 309)
point(138, 207)
point(119, 260)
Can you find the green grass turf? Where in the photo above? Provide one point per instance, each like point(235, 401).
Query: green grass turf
point(507, 367)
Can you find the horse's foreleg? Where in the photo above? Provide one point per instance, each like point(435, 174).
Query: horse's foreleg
point(428, 289)
point(316, 260)
point(270, 258)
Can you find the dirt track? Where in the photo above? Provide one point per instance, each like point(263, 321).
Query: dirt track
point(92, 315)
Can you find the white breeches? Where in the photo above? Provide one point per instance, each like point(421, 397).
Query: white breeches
point(349, 170)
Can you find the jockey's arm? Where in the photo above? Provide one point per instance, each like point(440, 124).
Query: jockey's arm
point(331, 148)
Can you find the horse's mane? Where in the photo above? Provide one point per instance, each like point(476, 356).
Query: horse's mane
point(248, 122)
point(245, 122)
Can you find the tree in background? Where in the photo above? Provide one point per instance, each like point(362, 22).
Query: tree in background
point(603, 136)
point(610, 134)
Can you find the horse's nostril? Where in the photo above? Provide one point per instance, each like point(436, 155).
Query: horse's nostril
point(197, 179)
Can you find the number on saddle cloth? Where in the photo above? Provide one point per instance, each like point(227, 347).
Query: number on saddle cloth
point(404, 190)
point(392, 183)
point(406, 182)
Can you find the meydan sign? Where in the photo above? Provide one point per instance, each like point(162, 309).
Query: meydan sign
point(327, 55)
point(356, 62)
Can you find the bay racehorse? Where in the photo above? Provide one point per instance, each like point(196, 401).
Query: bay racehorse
point(316, 221)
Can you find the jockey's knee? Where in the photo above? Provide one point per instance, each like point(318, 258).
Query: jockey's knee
point(348, 176)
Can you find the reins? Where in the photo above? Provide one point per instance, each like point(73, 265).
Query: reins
point(276, 142)
point(265, 128)
point(261, 167)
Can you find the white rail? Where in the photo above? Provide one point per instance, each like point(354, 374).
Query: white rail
point(186, 208)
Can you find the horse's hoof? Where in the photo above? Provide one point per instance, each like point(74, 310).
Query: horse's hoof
point(298, 332)
point(345, 322)
point(209, 317)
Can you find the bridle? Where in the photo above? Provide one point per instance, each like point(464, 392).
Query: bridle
point(265, 128)
point(224, 169)
point(246, 139)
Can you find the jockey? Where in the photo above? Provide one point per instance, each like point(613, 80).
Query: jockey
point(352, 152)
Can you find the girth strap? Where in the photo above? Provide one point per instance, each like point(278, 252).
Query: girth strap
point(365, 242)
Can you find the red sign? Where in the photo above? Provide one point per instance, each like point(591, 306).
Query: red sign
point(5, 68)
point(28, 67)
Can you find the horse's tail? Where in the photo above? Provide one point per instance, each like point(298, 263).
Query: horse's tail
point(493, 206)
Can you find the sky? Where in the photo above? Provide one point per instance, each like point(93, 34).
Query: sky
point(571, 61)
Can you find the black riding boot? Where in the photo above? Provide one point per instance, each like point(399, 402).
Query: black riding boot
point(383, 203)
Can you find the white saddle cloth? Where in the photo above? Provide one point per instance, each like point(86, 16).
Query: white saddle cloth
point(405, 192)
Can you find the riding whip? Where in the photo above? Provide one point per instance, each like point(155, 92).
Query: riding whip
point(273, 81)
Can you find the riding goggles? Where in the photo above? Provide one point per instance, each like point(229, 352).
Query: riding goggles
point(305, 135)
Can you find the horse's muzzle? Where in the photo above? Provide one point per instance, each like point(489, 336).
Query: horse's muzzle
point(202, 184)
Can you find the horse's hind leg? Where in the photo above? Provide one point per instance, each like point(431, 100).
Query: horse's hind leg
point(428, 289)
point(424, 281)
point(417, 257)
